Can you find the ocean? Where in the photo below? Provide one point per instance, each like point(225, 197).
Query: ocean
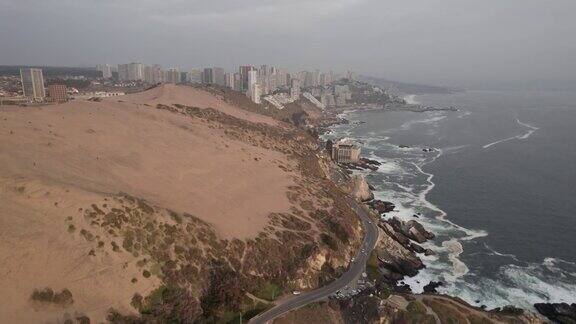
point(498, 190)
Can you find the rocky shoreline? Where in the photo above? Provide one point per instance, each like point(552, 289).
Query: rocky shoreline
point(399, 247)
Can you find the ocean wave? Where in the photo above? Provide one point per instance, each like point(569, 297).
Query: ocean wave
point(411, 99)
point(531, 130)
point(407, 125)
point(465, 114)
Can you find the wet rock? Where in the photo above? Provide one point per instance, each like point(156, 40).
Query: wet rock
point(411, 229)
point(417, 248)
point(381, 207)
point(429, 252)
point(431, 287)
point(417, 232)
point(396, 261)
point(560, 312)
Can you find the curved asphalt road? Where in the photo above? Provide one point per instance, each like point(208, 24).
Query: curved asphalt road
point(355, 269)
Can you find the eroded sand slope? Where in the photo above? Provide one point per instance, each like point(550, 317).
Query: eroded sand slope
point(55, 160)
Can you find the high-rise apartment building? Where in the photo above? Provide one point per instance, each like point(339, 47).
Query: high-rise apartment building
point(214, 75)
point(237, 82)
point(195, 76)
point(172, 75)
point(255, 92)
point(32, 83)
point(244, 87)
point(295, 89)
point(252, 79)
point(153, 74)
point(131, 72)
point(229, 80)
point(208, 76)
point(106, 70)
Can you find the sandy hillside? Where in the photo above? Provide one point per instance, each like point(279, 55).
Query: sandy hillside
point(56, 160)
point(170, 94)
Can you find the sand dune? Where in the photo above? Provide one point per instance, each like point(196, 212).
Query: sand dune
point(56, 159)
point(170, 94)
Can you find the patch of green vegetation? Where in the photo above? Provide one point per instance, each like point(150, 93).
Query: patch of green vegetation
point(231, 317)
point(416, 307)
point(474, 319)
point(115, 246)
point(177, 218)
point(329, 241)
point(268, 291)
point(87, 235)
point(337, 229)
point(372, 267)
point(446, 313)
point(47, 295)
point(406, 317)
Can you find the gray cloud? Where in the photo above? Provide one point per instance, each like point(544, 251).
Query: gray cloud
point(444, 42)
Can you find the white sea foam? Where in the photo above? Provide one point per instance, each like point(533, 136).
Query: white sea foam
point(531, 130)
point(411, 99)
point(454, 149)
point(465, 114)
point(454, 249)
point(407, 125)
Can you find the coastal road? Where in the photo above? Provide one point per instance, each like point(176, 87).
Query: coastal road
point(354, 271)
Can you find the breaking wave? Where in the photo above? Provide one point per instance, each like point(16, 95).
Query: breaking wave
point(531, 130)
point(411, 99)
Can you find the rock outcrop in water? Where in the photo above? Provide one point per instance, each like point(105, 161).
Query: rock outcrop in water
point(411, 229)
point(382, 207)
point(561, 312)
point(397, 248)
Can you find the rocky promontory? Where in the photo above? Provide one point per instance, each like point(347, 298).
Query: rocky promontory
point(560, 312)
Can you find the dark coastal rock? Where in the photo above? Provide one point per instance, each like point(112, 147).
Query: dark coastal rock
point(417, 232)
point(411, 229)
point(430, 288)
point(508, 310)
point(395, 259)
point(403, 146)
point(428, 150)
point(561, 312)
point(371, 162)
point(417, 248)
point(381, 207)
point(395, 235)
point(429, 252)
point(364, 164)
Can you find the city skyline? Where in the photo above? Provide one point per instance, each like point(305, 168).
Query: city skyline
point(448, 43)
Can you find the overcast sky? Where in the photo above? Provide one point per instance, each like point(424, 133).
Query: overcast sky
point(435, 41)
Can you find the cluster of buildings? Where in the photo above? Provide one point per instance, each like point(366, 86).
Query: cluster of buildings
point(33, 88)
point(272, 84)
